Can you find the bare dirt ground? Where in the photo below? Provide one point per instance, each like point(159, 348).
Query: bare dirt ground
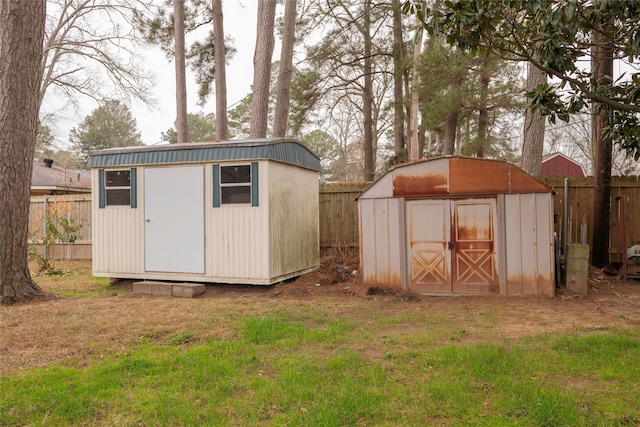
point(79, 330)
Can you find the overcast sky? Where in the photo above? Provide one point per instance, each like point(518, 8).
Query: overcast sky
point(239, 23)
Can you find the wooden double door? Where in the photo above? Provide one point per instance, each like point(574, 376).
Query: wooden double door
point(451, 246)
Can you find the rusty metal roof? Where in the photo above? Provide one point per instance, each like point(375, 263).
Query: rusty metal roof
point(454, 176)
point(58, 179)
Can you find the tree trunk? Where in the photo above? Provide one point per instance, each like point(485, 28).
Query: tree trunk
point(483, 114)
point(398, 71)
point(367, 97)
point(534, 125)
point(451, 123)
point(219, 55)
point(602, 203)
point(283, 92)
point(262, 69)
point(21, 38)
point(413, 128)
point(182, 128)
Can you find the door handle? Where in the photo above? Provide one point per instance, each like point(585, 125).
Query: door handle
point(147, 220)
point(451, 245)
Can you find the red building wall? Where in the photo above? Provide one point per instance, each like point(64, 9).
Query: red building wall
point(561, 166)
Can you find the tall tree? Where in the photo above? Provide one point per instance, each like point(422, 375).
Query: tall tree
point(21, 41)
point(603, 74)
point(182, 126)
point(556, 40)
point(110, 125)
point(453, 110)
point(489, 95)
point(367, 94)
point(534, 125)
point(219, 54)
point(326, 148)
point(354, 65)
point(285, 72)
point(91, 50)
point(202, 127)
point(399, 145)
point(157, 28)
point(262, 68)
point(413, 118)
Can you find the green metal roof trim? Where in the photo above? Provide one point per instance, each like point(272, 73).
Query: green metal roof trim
point(282, 150)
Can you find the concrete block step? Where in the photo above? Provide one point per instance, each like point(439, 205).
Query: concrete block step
point(184, 290)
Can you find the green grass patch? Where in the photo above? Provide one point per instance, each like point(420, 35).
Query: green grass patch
point(72, 279)
point(302, 369)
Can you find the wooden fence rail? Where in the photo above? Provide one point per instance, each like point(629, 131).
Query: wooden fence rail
point(80, 209)
point(582, 192)
point(339, 215)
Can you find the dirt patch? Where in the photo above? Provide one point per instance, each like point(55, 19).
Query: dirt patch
point(82, 329)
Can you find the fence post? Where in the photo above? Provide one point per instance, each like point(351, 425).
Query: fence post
point(45, 217)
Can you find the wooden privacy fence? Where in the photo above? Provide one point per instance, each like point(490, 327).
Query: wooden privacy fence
point(582, 192)
point(338, 214)
point(79, 208)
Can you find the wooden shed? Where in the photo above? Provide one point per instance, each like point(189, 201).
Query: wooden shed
point(227, 212)
point(454, 225)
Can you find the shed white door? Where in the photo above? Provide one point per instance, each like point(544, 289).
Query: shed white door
point(429, 225)
point(474, 251)
point(174, 219)
point(451, 246)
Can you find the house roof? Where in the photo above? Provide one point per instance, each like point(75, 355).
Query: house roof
point(283, 150)
point(57, 179)
point(553, 157)
point(454, 176)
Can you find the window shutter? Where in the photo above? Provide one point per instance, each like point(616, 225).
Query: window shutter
point(255, 195)
point(216, 185)
point(134, 187)
point(101, 190)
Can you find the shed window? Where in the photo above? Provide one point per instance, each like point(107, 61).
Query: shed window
point(117, 186)
point(235, 184)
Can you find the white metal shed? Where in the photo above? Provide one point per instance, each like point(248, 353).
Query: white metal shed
point(226, 212)
point(454, 225)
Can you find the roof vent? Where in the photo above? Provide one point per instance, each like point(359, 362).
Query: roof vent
point(48, 162)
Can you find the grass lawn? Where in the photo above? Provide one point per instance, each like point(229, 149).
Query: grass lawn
point(103, 356)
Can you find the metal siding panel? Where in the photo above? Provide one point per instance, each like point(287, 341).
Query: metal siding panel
point(428, 178)
point(383, 187)
point(528, 244)
point(237, 244)
point(236, 240)
point(501, 243)
point(381, 209)
point(396, 248)
point(118, 241)
point(513, 247)
point(464, 174)
point(293, 219)
point(544, 237)
point(368, 239)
